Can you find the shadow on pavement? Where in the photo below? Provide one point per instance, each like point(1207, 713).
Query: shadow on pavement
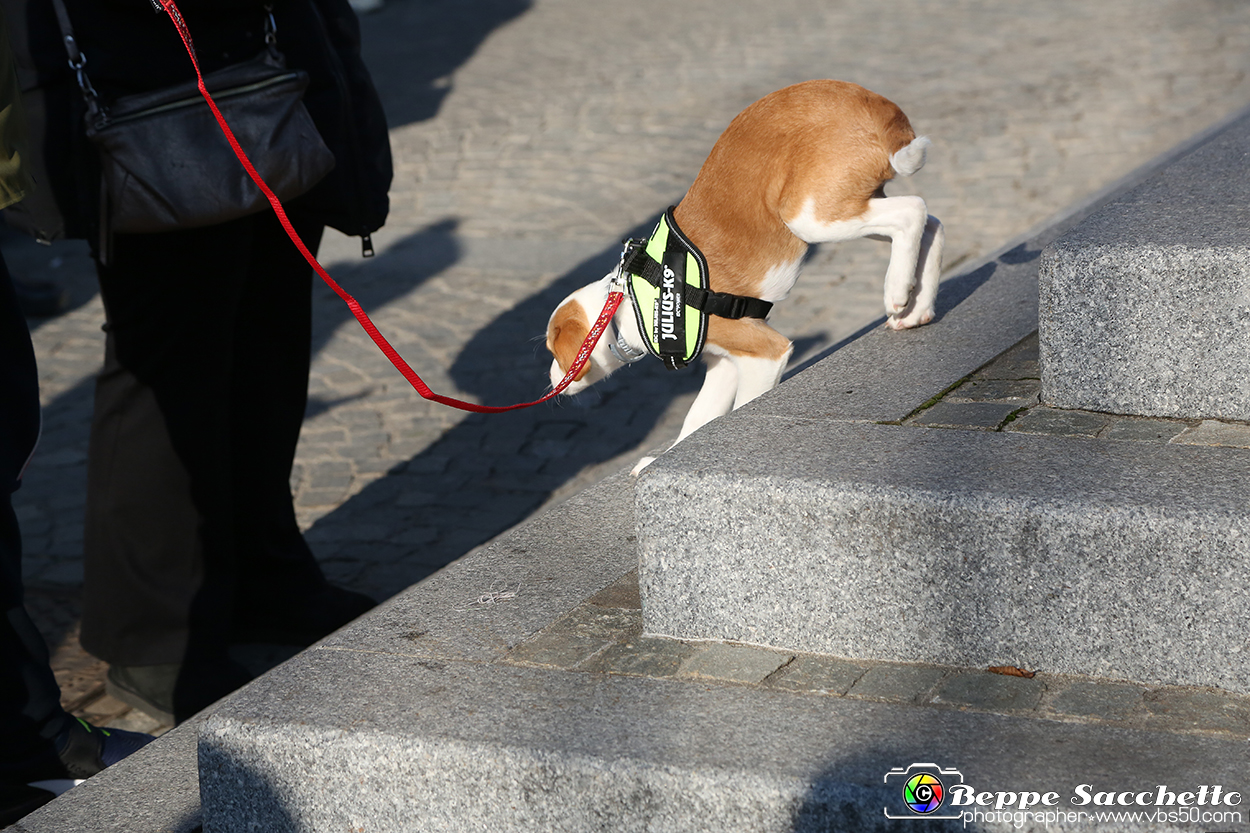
point(491, 471)
point(415, 45)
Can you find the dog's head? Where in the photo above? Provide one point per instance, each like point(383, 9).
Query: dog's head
point(567, 330)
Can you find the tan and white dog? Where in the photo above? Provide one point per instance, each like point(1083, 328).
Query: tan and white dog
point(806, 164)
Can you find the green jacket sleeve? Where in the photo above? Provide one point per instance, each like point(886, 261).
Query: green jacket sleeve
point(15, 179)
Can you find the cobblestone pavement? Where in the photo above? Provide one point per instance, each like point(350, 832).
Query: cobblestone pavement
point(529, 138)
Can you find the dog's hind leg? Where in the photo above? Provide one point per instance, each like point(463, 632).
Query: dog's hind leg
point(901, 220)
point(928, 274)
point(759, 353)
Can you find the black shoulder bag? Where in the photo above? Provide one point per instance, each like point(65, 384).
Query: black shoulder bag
point(165, 164)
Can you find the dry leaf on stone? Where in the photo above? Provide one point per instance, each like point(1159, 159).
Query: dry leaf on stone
point(1011, 671)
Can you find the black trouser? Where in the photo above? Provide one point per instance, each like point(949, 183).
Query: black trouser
point(30, 710)
point(197, 414)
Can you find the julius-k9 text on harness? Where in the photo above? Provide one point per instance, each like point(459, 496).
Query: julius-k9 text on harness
point(667, 277)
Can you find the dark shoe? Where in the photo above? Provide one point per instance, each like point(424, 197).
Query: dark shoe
point(301, 620)
point(85, 749)
point(16, 800)
point(41, 299)
point(174, 692)
point(79, 751)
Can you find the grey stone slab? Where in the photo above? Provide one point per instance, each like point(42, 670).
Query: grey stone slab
point(452, 746)
point(551, 564)
point(899, 683)
point(641, 656)
point(586, 631)
point(1143, 430)
point(1199, 709)
point(733, 663)
point(952, 547)
point(983, 416)
point(593, 621)
point(1213, 432)
point(621, 594)
point(1058, 423)
point(1020, 362)
point(1108, 701)
point(558, 650)
point(1021, 391)
point(823, 675)
point(1144, 306)
point(992, 692)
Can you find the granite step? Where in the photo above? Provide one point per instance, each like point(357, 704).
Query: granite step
point(902, 501)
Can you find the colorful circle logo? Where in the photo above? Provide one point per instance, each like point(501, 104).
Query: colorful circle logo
point(923, 793)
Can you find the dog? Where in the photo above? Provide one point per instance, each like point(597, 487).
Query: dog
point(806, 164)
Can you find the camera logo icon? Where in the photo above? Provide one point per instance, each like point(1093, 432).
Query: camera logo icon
point(923, 793)
point(921, 790)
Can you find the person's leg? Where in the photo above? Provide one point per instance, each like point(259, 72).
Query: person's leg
point(30, 700)
point(159, 538)
point(281, 595)
point(39, 741)
point(273, 333)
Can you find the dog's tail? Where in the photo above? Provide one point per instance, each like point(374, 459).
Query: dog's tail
point(911, 158)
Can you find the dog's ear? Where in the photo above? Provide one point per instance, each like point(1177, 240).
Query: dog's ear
point(566, 332)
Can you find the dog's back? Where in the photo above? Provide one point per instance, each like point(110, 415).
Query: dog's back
point(824, 145)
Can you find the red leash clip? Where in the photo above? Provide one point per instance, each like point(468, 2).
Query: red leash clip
point(583, 355)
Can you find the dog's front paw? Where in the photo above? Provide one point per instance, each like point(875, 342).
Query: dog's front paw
point(642, 464)
point(914, 318)
point(898, 304)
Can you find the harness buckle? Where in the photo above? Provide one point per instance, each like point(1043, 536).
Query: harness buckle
point(630, 246)
point(625, 353)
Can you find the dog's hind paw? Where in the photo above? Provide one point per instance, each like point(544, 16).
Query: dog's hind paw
point(642, 464)
point(915, 318)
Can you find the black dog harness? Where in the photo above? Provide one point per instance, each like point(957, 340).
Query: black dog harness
point(668, 284)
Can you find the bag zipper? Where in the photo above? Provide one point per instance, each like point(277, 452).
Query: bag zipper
point(107, 119)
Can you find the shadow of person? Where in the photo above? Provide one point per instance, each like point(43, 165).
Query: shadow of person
point(490, 471)
point(378, 281)
point(413, 48)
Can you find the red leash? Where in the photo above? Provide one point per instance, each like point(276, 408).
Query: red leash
point(583, 355)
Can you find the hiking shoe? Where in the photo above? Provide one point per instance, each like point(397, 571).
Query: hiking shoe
point(174, 692)
point(78, 752)
point(85, 749)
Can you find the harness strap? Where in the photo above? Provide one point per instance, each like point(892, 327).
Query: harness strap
point(720, 304)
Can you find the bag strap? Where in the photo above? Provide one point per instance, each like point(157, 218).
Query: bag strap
point(77, 60)
point(583, 355)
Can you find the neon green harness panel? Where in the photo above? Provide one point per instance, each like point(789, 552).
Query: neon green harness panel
point(673, 330)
